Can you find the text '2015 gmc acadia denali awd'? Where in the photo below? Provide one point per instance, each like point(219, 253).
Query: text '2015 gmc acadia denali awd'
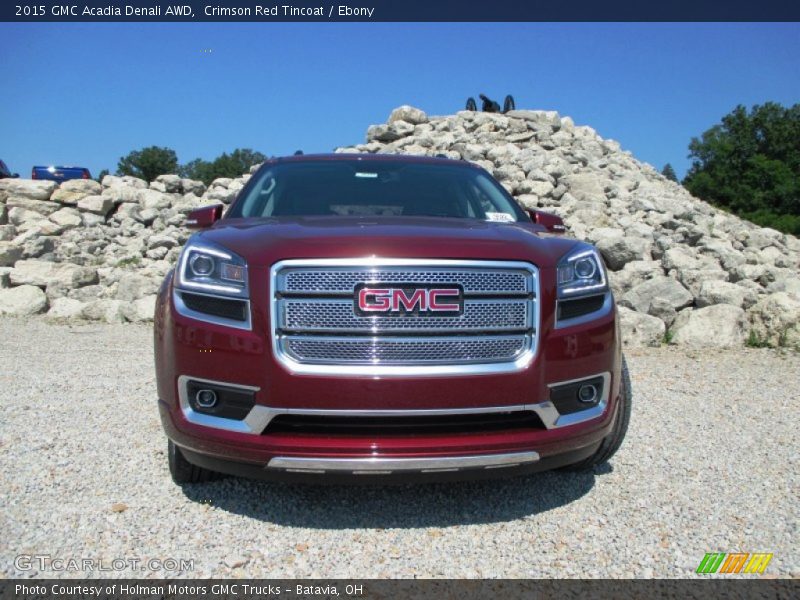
point(382, 317)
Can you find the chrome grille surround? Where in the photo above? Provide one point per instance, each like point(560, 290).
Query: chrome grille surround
point(315, 329)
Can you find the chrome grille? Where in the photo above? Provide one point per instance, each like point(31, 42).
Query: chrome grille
point(315, 328)
point(403, 351)
point(331, 281)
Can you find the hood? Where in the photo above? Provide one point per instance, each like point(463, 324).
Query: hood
point(263, 242)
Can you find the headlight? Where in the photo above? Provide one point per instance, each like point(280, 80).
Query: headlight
point(581, 273)
point(205, 267)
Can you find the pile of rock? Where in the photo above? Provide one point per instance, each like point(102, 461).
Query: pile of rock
point(682, 271)
point(90, 250)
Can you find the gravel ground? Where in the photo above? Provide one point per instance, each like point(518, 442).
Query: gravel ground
point(710, 464)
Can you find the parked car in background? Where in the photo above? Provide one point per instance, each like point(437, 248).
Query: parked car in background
point(5, 172)
point(60, 174)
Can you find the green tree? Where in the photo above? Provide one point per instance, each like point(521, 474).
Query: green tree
point(749, 164)
point(239, 161)
point(226, 165)
point(102, 174)
point(148, 163)
point(196, 169)
point(669, 172)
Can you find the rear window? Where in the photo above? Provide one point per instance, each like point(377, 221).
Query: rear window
point(375, 189)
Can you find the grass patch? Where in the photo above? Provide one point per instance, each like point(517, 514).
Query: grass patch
point(783, 339)
point(668, 335)
point(129, 261)
point(753, 341)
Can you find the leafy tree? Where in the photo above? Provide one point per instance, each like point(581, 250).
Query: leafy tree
point(196, 169)
point(102, 174)
point(226, 165)
point(750, 164)
point(148, 163)
point(239, 161)
point(669, 172)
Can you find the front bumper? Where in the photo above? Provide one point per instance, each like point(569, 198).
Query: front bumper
point(189, 349)
point(258, 453)
point(382, 476)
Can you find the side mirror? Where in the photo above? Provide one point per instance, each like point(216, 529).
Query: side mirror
point(203, 217)
point(553, 223)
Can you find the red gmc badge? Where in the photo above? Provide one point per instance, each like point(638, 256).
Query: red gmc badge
point(396, 299)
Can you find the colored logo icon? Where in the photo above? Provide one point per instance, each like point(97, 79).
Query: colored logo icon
point(738, 562)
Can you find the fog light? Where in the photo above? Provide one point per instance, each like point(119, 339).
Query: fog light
point(206, 398)
point(587, 394)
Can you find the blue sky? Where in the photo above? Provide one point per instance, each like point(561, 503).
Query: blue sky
point(87, 94)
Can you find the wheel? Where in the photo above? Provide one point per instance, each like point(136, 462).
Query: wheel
point(183, 471)
point(612, 442)
point(509, 104)
point(471, 104)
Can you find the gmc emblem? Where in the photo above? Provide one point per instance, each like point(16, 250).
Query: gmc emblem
point(388, 299)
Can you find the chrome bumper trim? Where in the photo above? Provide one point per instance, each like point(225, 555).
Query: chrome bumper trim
point(255, 422)
point(260, 416)
point(553, 419)
point(385, 466)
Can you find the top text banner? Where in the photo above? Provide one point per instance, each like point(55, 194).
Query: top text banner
point(402, 11)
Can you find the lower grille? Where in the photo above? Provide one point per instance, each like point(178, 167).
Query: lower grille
point(404, 426)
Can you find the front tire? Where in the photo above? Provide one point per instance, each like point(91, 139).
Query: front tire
point(612, 442)
point(183, 471)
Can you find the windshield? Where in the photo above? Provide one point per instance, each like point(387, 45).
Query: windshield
point(376, 189)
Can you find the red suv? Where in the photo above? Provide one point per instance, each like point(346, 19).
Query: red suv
point(381, 317)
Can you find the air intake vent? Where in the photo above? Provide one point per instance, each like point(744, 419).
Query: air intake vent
point(413, 425)
point(236, 310)
point(569, 309)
